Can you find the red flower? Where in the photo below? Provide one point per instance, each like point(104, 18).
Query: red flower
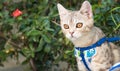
point(17, 13)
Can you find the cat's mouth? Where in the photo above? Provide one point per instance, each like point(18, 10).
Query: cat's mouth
point(72, 37)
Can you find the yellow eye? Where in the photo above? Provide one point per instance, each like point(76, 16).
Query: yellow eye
point(66, 26)
point(79, 25)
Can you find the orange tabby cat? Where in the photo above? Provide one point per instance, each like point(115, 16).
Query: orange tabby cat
point(78, 27)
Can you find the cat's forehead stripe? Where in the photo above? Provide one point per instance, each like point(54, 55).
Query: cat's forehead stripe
point(72, 18)
point(75, 18)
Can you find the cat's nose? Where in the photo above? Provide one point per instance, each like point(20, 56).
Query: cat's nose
point(71, 33)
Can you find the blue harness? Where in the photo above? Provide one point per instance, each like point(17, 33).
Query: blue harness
point(82, 50)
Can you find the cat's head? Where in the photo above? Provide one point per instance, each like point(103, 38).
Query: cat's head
point(76, 24)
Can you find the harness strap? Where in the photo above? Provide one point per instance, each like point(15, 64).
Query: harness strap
point(114, 67)
point(84, 61)
point(97, 44)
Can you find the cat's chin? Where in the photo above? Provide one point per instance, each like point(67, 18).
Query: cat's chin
point(72, 38)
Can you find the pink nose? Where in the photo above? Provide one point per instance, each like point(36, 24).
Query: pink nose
point(71, 33)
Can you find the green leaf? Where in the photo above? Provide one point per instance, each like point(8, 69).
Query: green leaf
point(3, 55)
point(40, 46)
point(31, 47)
point(49, 29)
point(114, 9)
point(32, 50)
point(20, 18)
point(27, 52)
point(33, 32)
point(46, 38)
point(47, 48)
point(68, 51)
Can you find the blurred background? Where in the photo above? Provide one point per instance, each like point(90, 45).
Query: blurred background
point(30, 34)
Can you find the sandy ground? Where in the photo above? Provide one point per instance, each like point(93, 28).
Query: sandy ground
point(12, 64)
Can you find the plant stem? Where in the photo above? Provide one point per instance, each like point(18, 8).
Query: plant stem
point(33, 65)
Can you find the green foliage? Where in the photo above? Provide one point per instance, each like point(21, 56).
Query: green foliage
point(108, 15)
point(35, 35)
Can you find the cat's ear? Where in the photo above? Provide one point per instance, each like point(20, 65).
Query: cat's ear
point(62, 11)
point(86, 9)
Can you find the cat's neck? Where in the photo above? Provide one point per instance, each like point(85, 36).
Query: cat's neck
point(90, 38)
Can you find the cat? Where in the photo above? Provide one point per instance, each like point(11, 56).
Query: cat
point(78, 27)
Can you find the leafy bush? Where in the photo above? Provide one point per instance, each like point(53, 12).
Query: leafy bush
point(35, 34)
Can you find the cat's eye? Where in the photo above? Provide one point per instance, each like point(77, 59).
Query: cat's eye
point(66, 26)
point(79, 25)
